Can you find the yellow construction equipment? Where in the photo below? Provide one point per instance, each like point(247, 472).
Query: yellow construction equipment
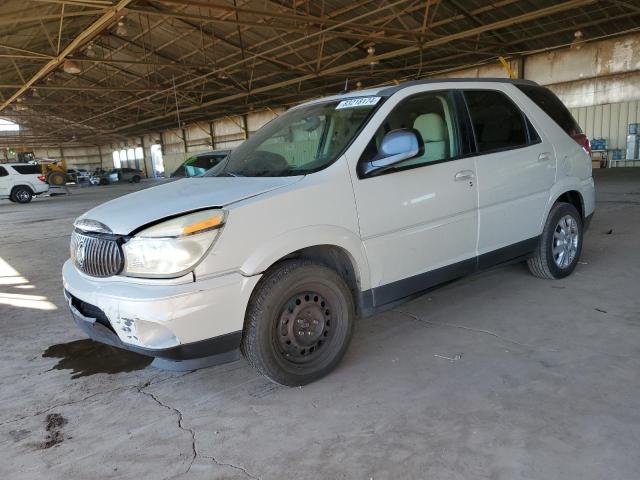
point(55, 171)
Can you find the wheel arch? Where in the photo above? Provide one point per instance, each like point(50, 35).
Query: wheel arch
point(13, 189)
point(567, 192)
point(574, 198)
point(343, 253)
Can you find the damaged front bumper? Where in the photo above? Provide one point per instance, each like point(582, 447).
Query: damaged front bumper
point(177, 322)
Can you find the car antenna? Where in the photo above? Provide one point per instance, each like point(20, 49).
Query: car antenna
point(346, 86)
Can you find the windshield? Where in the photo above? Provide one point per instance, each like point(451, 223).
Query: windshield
point(299, 142)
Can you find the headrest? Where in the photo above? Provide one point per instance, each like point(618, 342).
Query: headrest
point(431, 127)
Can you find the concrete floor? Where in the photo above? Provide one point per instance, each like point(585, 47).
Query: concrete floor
point(498, 376)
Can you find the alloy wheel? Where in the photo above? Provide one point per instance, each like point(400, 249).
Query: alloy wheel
point(565, 241)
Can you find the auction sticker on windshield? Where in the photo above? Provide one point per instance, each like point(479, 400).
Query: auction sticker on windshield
point(358, 102)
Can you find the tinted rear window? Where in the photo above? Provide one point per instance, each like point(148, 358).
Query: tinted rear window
point(27, 169)
point(498, 124)
point(552, 106)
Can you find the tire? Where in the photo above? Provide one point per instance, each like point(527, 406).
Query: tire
point(21, 195)
point(562, 218)
point(57, 179)
point(104, 181)
point(316, 300)
point(135, 179)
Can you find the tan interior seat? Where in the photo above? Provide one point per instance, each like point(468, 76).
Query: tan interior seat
point(434, 135)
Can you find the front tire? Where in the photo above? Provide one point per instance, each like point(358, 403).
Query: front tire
point(136, 179)
point(560, 245)
point(21, 195)
point(298, 323)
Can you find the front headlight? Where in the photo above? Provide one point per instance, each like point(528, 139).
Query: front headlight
point(173, 247)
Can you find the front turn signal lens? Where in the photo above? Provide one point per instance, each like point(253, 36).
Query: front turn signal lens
point(206, 224)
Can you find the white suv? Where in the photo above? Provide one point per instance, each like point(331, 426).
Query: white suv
point(340, 207)
point(20, 182)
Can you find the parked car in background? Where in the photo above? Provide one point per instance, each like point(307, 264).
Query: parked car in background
point(119, 175)
point(77, 175)
point(199, 163)
point(341, 206)
point(20, 182)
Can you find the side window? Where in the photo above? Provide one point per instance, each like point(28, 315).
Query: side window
point(533, 134)
point(27, 169)
point(433, 116)
point(498, 124)
point(3, 172)
point(552, 106)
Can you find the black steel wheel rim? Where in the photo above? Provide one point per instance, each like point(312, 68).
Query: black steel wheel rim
point(303, 327)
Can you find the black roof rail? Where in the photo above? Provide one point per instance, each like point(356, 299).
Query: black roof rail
point(394, 88)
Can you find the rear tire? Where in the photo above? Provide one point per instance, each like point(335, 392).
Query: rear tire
point(136, 179)
point(21, 195)
point(104, 181)
point(298, 323)
point(560, 245)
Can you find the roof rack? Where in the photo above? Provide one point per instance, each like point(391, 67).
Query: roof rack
point(394, 88)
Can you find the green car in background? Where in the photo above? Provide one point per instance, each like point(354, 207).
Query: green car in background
point(199, 163)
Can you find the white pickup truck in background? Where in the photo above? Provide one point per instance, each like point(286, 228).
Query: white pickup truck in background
point(20, 182)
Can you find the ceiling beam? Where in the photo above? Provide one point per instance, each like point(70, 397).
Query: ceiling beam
point(273, 13)
point(82, 88)
point(109, 17)
point(539, 13)
point(22, 18)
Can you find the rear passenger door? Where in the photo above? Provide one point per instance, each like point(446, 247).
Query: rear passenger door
point(515, 169)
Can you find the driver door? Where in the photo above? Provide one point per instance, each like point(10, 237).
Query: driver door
point(418, 220)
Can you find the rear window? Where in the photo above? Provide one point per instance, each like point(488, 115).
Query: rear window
point(27, 169)
point(552, 106)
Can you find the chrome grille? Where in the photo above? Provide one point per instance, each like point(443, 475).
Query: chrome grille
point(96, 255)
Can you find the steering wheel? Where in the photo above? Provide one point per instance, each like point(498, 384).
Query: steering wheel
point(262, 161)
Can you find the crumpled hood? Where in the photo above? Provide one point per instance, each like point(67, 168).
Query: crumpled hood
point(129, 212)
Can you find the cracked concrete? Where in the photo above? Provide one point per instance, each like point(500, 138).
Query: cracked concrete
point(496, 376)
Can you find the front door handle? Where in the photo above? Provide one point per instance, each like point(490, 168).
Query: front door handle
point(464, 175)
point(544, 157)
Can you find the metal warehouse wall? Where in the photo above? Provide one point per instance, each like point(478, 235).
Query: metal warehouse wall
point(608, 121)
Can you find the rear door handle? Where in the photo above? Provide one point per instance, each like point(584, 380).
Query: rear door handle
point(464, 175)
point(544, 157)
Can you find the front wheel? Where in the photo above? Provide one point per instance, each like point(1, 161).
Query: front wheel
point(298, 323)
point(560, 244)
point(21, 195)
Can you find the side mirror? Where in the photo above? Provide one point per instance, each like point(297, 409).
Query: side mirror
point(397, 146)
